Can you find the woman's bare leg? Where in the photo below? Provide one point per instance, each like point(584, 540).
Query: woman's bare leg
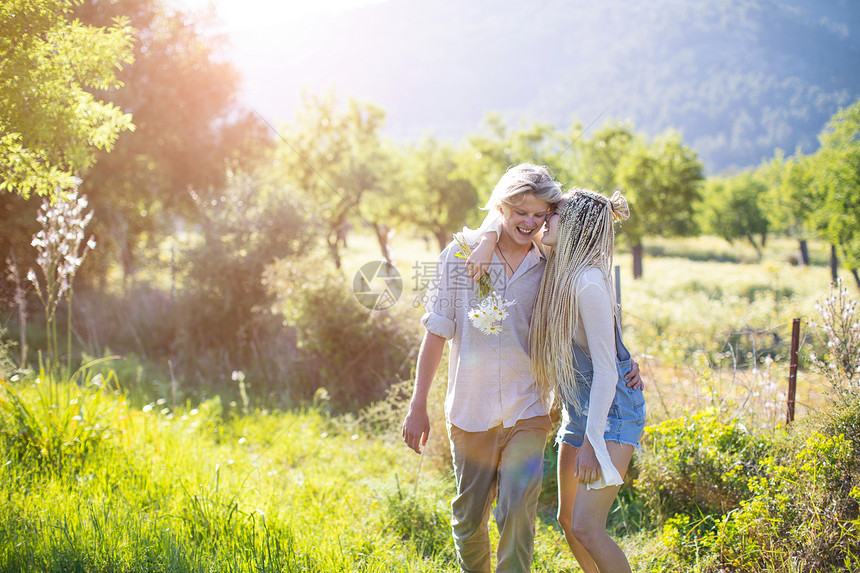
point(582, 512)
point(567, 487)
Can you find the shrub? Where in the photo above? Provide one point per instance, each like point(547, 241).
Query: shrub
point(223, 308)
point(841, 334)
point(796, 511)
point(355, 352)
point(729, 500)
point(698, 465)
point(803, 515)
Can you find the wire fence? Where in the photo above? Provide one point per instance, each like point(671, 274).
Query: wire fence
point(753, 375)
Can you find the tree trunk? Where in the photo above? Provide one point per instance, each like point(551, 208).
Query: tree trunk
point(442, 238)
point(751, 239)
point(128, 267)
point(763, 240)
point(342, 230)
point(20, 299)
point(803, 255)
point(384, 233)
point(637, 260)
point(334, 251)
point(834, 263)
point(856, 278)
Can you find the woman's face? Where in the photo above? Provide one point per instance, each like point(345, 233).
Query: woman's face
point(550, 226)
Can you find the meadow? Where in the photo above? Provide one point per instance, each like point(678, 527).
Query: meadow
point(99, 477)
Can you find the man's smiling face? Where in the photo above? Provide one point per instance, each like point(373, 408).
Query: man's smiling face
point(522, 222)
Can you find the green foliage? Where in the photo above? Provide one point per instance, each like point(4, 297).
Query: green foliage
point(334, 157)
point(698, 465)
point(790, 202)
point(354, 352)
point(599, 156)
point(223, 310)
point(437, 199)
point(50, 123)
point(837, 181)
point(661, 182)
point(801, 511)
point(726, 316)
point(732, 208)
point(192, 490)
point(487, 155)
point(422, 520)
point(786, 504)
point(190, 131)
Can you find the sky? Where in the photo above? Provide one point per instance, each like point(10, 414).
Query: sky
point(722, 76)
point(256, 29)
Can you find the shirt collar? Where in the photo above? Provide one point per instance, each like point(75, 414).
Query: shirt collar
point(538, 249)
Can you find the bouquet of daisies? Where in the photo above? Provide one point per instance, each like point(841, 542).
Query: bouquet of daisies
point(492, 308)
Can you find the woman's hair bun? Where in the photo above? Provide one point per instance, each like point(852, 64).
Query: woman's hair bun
point(619, 207)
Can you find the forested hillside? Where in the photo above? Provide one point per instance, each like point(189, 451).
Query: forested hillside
point(739, 78)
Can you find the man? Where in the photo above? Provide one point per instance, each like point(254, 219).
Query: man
point(497, 422)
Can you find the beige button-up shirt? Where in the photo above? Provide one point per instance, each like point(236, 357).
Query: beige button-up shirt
point(489, 376)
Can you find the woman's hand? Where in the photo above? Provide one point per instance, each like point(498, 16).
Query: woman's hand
point(479, 261)
point(586, 467)
point(634, 380)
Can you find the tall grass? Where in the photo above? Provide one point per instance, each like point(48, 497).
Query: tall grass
point(192, 489)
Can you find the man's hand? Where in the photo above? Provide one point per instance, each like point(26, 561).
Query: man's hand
point(416, 428)
point(586, 467)
point(634, 380)
point(479, 261)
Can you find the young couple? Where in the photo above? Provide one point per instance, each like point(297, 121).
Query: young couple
point(560, 338)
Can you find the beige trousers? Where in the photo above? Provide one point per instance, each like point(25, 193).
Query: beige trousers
point(504, 465)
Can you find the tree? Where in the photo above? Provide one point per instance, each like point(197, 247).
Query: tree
point(598, 158)
point(661, 182)
point(487, 156)
point(333, 156)
point(190, 130)
point(386, 204)
point(225, 306)
point(439, 201)
point(837, 177)
point(789, 200)
point(732, 209)
point(51, 124)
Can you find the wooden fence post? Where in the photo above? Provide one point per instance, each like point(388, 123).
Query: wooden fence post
point(792, 370)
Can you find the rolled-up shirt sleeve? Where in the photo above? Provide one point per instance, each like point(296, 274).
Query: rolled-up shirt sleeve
point(439, 302)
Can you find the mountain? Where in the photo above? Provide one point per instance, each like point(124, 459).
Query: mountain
point(739, 78)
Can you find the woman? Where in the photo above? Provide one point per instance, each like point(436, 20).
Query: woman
point(602, 417)
point(603, 412)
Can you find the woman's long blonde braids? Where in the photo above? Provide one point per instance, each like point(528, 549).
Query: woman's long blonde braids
point(586, 239)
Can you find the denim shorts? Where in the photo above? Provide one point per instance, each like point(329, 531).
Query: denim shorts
point(626, 415)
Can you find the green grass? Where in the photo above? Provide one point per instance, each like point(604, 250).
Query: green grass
point(202, 487)
point(194, 490)
point(189, 490)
